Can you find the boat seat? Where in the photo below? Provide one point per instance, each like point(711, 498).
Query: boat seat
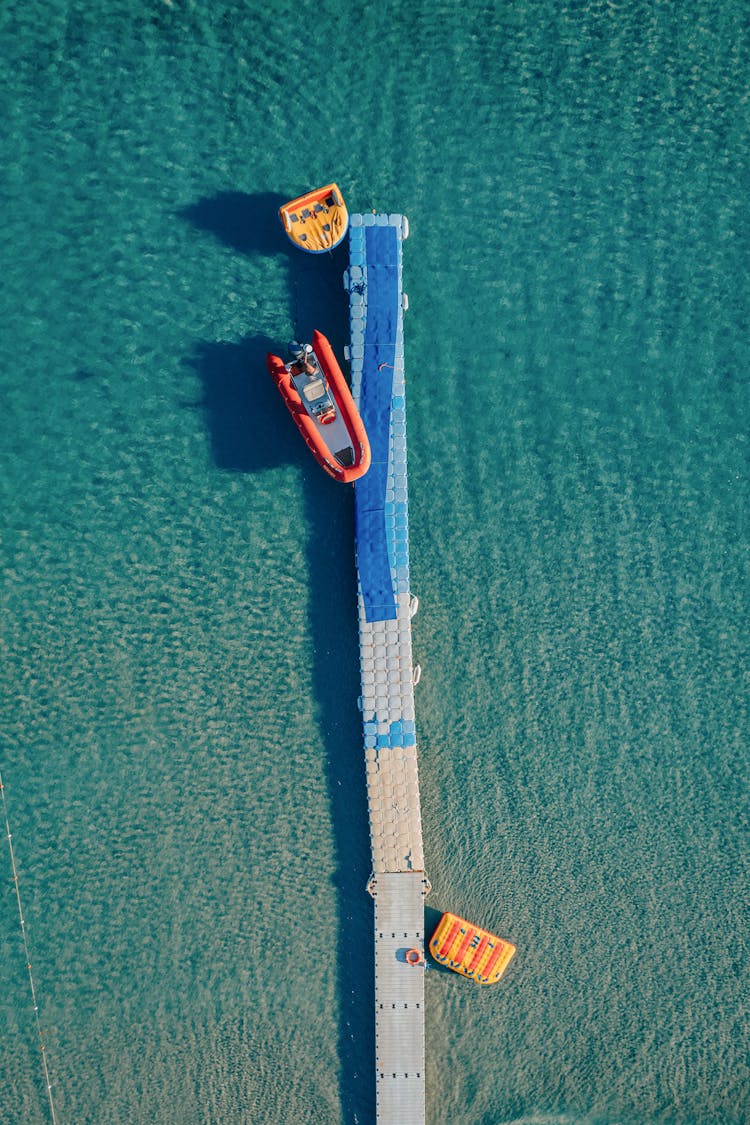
point(314, 390)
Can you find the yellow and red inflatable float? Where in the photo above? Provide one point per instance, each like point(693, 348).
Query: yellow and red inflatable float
point(470, 950)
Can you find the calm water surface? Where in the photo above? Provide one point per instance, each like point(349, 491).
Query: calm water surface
point(181, 745)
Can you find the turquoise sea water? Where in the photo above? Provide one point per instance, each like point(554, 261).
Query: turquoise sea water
point(182, 752)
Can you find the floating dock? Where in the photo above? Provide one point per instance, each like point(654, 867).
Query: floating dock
point(398, 883)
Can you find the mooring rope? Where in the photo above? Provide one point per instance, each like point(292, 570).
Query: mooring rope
point(28, 959)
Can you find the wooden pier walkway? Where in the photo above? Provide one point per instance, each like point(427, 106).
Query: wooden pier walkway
point(398, 883)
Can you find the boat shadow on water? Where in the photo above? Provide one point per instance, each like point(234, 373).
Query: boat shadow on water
point(237, 390)
point(244, 222)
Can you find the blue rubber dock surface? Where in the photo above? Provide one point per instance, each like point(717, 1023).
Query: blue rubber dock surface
point(375, 503)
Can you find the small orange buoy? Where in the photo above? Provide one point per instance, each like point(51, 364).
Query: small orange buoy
point(413, 957)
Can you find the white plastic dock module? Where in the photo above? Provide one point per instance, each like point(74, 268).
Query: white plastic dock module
point(398, 883)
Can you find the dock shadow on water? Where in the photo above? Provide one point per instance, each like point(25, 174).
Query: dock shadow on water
point(237, 391)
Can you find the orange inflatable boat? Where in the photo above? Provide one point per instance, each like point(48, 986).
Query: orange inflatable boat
point(469, 950)
point(319, 400)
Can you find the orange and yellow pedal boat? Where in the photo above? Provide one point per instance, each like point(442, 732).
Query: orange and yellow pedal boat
point(470, 950)
point(316, 221)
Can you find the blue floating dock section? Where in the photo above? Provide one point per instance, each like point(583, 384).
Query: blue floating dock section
point(381, 516)
point(376, 355)
point(398, 883)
